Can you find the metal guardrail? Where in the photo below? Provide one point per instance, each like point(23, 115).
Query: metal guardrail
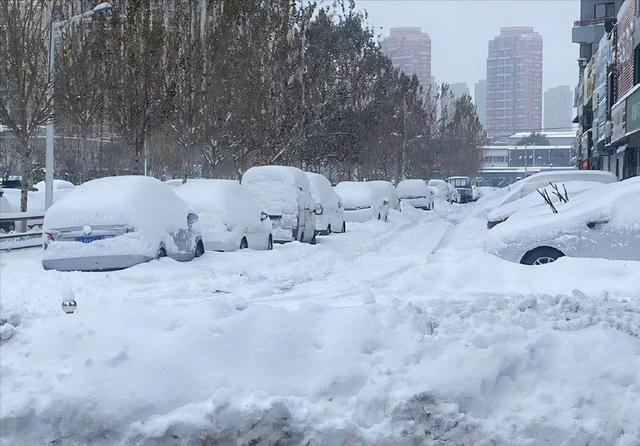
point(17, 240)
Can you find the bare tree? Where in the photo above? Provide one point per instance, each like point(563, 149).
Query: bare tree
point(24, 78)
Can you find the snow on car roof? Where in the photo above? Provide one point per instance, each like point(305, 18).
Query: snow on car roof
point(57, 184)
point(355, 193)
point(224, 198)
point(321, 189)
point(275, 188)
point(137, 201)
point(413, 187)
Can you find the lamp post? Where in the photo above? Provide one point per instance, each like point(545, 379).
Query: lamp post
point(50, 141)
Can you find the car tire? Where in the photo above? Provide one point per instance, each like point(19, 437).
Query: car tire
point(243, 243)
point(329, 230)
point(314, 239)
point(162, 252)
point(199, 249)
point(344, 227)
point(541, 256)
point(270, 243)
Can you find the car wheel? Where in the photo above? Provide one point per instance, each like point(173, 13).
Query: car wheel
point(161, 252)
point(541, 256)
point(199, 249)
point(243, 243)
point(328, 229)
point(344, 227)
point(301, 238)
point(314, 240)
point(270, 243)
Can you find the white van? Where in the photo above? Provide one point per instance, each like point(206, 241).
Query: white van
point(331, 214)
point(285, 195)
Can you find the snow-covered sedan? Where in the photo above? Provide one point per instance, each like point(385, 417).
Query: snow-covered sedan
point(603, 222)
point(360, 202)
point(285, 195)
point(416, 193)
point(330, 213)
point(443, 190)
point(533, 182)
point(387, 191)
point(229, 218)
point(117, 222)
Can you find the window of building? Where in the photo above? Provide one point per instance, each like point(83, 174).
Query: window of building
point(605, 10)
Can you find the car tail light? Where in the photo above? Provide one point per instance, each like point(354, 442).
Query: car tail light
point(494, 223)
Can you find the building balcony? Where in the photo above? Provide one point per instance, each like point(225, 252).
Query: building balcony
point(589, 31)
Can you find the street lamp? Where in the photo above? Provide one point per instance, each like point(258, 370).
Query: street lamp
point(53, 38)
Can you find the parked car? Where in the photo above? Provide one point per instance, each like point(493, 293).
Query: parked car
point(464, 187)
point(531, 183)
point(57, 184)
point(229, 218)
point(386, 190)
point(360, 202)
point(117, 222)
point(285, 195)
point(330, 217)
point(573, 189)
point(601, 222)
point(416, 193)
point(443, 190)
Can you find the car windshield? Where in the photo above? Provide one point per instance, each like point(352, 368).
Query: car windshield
point(460, 182)
point(299, 222)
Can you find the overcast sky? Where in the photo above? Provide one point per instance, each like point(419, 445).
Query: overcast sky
point(460, 31)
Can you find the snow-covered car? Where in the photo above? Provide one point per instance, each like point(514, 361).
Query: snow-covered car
point(360, 202)
point(602, 222)
point(416, 193)
point(285, 195)
point(330, 217)
point(532, 201)
point(531, 183)
point(57, 184)
point(229, 218)
point(443, 190)
point(464, 187)
point(117, 222)
point(386, 190)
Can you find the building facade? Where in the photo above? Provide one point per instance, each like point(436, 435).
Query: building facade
point(480, 100)
point(608, 95)
point(514, 82)
point(558, 108)
point(410, 50)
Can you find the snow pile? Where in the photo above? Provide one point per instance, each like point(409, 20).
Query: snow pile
point(389, 334)
point(276, 189)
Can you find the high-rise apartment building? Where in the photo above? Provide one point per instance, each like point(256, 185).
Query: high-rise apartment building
point(480, 100)
point(514, 82)
point(410, 50)
point(558, 108)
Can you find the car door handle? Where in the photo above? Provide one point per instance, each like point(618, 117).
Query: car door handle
point(597, 223)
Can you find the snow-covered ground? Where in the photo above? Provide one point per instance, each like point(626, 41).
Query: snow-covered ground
point(395, 333)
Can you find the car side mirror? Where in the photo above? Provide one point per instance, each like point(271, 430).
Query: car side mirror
point(318, 210)
point(192, 218)
point(263, 216)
